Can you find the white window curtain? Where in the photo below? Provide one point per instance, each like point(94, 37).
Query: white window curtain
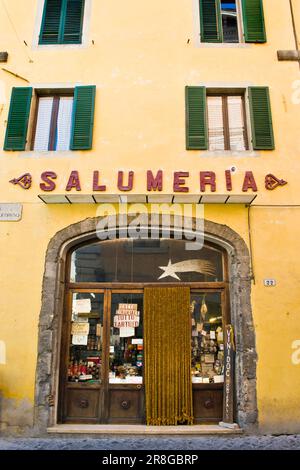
point(41, 141)
point(215, 123)
point(236, 123)
point(64, 122)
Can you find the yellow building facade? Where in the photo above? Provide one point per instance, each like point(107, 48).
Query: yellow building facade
point(141, 62)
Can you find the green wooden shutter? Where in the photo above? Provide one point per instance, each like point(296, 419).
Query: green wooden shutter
point(83, 118)
point(261, 118)
point(210, 21)
point(196, 121)
point(18, 117)
point(51, 24)
point(254, 23)
point(73, 22)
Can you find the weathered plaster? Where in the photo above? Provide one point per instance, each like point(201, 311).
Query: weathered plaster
point(16, 416)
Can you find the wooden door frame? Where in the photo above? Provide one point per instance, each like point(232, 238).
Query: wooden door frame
point(107, 302)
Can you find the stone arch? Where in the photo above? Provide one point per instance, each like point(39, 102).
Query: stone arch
point(47, 371)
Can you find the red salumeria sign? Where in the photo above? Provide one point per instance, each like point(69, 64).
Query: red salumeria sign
point(153, 181)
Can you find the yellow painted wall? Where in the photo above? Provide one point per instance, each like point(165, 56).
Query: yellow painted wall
point(143, 56)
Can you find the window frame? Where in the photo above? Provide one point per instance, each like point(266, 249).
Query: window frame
point(56, 95)
point(240, 25)
point(62, 25)
point(224, 95)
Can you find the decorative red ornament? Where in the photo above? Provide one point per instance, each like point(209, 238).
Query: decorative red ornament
point(25, 181)
point(271, 182)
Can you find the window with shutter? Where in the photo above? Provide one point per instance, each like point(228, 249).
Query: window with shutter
point(62, 22)
point(221, 20)
point(217, 121)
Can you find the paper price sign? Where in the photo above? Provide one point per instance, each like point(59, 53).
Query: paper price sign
point(80, 328)
point(79, 340)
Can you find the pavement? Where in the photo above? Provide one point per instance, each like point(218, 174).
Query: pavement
point(291, 442)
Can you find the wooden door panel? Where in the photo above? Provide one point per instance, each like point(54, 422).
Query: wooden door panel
point(126, 405)
point(208, 404)
point(81, 403)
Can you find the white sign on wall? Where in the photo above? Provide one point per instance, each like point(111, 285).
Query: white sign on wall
point(10, 212)
point(296, 353)
point(2, 353)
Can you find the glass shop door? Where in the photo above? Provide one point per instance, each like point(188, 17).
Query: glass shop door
point(102, 372)
point(125, 384)
point(103, 358)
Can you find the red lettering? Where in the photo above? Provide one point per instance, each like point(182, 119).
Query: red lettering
point(48, 184)
point(129, 186)
point(96, 186)
point(179, 181)
point(74, 182)
point(228, 179)
point(154, 184)
point(207, 177)
point(249, 182)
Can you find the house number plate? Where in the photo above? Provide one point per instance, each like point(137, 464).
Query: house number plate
point(269, 282)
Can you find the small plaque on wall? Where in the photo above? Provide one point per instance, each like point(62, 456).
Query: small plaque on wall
point(269, 282)
point(10, 212)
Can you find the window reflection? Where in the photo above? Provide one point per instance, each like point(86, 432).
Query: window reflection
point(164, 260)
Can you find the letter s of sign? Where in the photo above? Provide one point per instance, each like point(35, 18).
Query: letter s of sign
point(48, 184)
point(296, 353)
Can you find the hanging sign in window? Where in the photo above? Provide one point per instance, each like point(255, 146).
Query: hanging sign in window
point(127, 316)
point(80, 340)
point(82, 306)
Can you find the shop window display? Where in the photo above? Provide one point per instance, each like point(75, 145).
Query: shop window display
point(126, 339)
point(207, 340)
point(85, 356)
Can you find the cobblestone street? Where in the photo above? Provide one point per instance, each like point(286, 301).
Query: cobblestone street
point(162, 443)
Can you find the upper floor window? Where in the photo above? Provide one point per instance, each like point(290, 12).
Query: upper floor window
point(62, 22)
point(58, 120)
point(217, 119)
point(227, 122)
point(232, 21)
point(53, 123)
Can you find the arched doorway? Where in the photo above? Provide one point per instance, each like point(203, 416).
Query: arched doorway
point(107, 349)
point(234, 280)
